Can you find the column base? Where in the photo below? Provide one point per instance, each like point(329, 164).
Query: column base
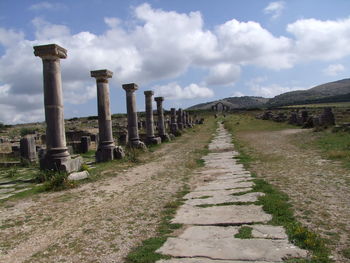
point(109, 154)
point(66, 164)
point(153, 140)
point(180, 125)
point(137, 144)
point(165, 138)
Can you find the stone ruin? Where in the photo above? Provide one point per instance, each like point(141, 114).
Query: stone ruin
point(59, 145)
point(302, 118)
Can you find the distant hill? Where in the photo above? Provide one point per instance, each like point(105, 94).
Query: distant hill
point(244, 102)
point(337, 91)
point(329, 92)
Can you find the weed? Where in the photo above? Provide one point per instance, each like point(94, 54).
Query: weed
point(346, 253)
point(244, 232)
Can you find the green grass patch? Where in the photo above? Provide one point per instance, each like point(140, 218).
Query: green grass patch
point(242, 193)
point(244, 232)
point(276, 203)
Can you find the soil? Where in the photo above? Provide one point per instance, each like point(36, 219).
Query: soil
point(319, 189)
point(103, 220)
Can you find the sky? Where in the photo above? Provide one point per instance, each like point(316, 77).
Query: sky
point(189, 51)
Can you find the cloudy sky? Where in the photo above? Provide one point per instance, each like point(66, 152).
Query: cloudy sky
point(189, 51)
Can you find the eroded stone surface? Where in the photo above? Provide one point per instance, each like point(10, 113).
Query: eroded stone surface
point(266, 231)
point(230, 248)
point(204, 260)
point(199, 194)
point(219, 199)
point(222, 185)
point(220, 215)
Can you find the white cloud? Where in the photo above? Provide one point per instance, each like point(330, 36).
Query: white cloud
point(275, 9)
point(46, 6)
point(237, 94)
point(146, 51)
point(259, 88)
point(321, 40)
point(223, 74)
point(334, 69)
point(173, 91)
point(249, 43)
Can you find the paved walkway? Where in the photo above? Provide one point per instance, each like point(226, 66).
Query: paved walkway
point(210, 228)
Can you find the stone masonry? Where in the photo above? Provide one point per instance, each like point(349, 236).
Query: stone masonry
point(57, 156)
point(151, 138)
point(106, 150)
point(161, 126)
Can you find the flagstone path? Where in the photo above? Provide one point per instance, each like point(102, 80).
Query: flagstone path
point(214, 213)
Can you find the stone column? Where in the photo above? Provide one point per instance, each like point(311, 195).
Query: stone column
point(188, 118)
point(179, 119)
point(133, 132)
point(161, 127)
point(106, 150)
point(57, 156)
point(184, 120)
point(173, 124)
point(151, 139)
point(85, 142)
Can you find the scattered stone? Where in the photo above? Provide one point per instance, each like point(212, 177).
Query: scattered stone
point(78, 176)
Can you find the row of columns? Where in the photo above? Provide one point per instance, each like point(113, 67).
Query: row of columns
point(57, 156)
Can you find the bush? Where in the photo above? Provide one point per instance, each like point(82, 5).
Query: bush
point(27, 130)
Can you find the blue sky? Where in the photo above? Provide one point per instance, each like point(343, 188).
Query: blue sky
point(187, 51)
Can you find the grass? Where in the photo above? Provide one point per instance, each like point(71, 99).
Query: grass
point(244, 232)
point(320, 105)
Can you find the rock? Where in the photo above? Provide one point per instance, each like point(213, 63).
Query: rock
point(78, 176)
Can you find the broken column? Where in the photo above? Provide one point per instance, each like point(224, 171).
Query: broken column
point(188, 119)
point(57, 156)
point(327, 117)
point(179, 119)
point(161, 127)
point(133, 132)
point(184, 120)
point(106, 150)
point(151, 139)
point(173, 124)
point(85, 142)
point(27, 149)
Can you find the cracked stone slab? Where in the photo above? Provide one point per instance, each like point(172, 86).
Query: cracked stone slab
point(221, 215)
point(222, 185)
point(220, 199)
point(199, 194)
point(269, 232)
point(219, 243)
point(234, 176)
point(205, 260)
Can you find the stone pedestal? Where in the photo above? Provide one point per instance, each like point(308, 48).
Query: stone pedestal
point(151, 139)
point(57, 156)
point(106, 150)
point(161, 126)
point(28, 149)
point(85, 142)
point(133, 133)
point(179, 119)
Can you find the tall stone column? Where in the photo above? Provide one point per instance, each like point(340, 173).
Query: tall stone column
point(133, 132)
point(161, 127)
point(179, 119)
point(188, 119)
point(106, 150)
point(57, 156)
point(173, 124)
point(151, 139)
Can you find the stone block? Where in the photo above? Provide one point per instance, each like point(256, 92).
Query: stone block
point(78, 176)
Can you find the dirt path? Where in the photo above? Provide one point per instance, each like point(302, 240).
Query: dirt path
point(318, 188)
point(100, 221)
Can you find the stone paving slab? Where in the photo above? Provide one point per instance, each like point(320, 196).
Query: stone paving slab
point(222, 185)
point(266, 231)
point(206, 260)
point(232, 249)
point(220, 199)
point(221, 215)
point(199, 194)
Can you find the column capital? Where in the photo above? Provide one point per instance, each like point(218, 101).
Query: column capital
point(130, 87)
point(159, 99)
point(52, 51)
point(148, 93)
point(101, 74)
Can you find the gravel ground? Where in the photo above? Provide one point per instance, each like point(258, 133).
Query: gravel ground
point(100, 221)
point(319, 189)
